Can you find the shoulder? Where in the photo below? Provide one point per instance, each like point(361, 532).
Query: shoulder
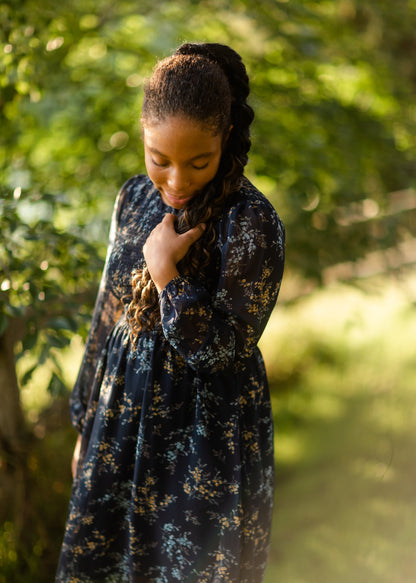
point(248, 208)
point(135, 186)
point(133, 191)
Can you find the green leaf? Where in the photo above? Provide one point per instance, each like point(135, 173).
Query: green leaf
point(57, 340)
point(28, 375)
point(61, 323)
point(29, 341)
point(56, 386)
point(44, 354)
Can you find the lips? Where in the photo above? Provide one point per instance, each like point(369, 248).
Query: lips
point(176, 200)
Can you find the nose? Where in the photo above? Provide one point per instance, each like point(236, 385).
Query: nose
point(178, 180)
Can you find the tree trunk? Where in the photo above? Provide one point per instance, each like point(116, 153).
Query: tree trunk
point(12, 432)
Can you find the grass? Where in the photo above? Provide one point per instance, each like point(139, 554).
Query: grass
point(342, 367)
point(345, 439)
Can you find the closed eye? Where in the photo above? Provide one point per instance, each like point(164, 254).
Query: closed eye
point(165, 164)
point(200, 167)
point(159, 165)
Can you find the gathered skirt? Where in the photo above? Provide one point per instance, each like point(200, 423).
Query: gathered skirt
point(175, 478)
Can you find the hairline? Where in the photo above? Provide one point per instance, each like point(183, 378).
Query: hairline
point(153, 119)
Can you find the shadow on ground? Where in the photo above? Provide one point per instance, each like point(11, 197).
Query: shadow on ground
point(345, 509)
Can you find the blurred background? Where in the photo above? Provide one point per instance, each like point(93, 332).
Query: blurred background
point(333, 87)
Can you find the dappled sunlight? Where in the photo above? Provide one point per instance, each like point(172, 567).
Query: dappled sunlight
point(326, 407)
point(373, 469)
point(289, 449)
point(343, 319)
point(34, 394)
point(345, 498)
point(333, 148)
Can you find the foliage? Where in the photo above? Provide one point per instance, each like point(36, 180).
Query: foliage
point(42, 270)
point(31, 554)
point(341, 392)
point(332, 88)
point(345, 436)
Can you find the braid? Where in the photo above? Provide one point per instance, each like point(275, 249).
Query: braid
point(177, 86)
point(242, 114)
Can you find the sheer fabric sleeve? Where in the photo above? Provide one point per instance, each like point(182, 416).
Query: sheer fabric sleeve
point(213, 333)
point(108, 309)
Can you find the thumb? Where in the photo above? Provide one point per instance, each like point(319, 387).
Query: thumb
point(169, 219)
point(195, 233)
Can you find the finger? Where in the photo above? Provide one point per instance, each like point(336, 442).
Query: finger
point(195, 233)
point(169, 219)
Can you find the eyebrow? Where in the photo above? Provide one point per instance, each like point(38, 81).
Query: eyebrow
point(155, 151)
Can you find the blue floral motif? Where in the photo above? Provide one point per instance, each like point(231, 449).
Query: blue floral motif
point(175, 478)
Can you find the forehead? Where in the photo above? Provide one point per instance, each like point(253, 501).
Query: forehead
point(180, 137)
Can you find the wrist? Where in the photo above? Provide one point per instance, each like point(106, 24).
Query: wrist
point(163, 276)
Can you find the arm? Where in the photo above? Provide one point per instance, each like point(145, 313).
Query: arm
point(107, 311)
point(213, 333)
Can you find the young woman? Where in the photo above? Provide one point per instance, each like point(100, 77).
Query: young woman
point(174, 464)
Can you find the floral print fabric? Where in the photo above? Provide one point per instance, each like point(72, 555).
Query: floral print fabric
point(175, 478)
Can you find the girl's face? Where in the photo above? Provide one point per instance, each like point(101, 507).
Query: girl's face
point(181, 157)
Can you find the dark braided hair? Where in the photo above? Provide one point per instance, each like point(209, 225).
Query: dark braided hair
point(206, 83)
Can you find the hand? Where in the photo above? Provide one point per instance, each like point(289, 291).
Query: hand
point(75, 456)
point(164, 249)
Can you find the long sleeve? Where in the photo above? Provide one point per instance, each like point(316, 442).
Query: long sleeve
point(214, 333)
point(108, 309)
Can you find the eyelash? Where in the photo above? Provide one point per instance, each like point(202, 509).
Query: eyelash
point(159, 165)
point(200, 167)
point(194, 167)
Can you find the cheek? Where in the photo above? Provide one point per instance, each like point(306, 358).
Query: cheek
point(206, 176)
point(153, 173)
point(212, 171)
point(209, 176)
point(147, 164)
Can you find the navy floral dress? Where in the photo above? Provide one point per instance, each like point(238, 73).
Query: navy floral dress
point(175, 478)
